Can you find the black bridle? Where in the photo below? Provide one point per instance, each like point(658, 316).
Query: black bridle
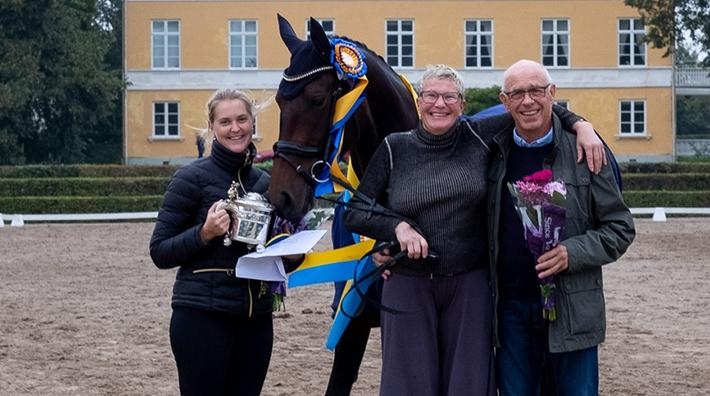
point(283, 148)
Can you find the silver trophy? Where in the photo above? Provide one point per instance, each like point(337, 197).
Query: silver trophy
point(250, 216)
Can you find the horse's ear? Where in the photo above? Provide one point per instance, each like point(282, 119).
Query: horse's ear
point(288, 36)
point(320, 39)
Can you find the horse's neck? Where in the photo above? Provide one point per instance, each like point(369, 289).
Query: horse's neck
point(391, 102)
point(389, 108)
point(365, 137)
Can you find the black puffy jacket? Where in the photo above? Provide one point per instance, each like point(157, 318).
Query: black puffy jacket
point(201, 281)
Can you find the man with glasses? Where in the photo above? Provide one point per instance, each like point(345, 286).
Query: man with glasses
point(535, 355)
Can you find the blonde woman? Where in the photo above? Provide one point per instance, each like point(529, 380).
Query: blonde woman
point(221, 331)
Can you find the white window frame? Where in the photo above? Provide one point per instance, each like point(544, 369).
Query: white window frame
point(400, 34)
point(329, 32)
point(472, 40)
point(636, 37)
point(241, 61)
point(166, 124)
point(632, 117)
point(163, 51)
point(556, 34)
point(254, 130)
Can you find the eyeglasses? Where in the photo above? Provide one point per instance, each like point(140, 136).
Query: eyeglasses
point(534, 92)
point(430, 97)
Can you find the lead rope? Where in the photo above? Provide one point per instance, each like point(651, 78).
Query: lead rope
point(370, 206)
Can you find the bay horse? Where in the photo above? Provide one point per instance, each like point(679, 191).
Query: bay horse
point(306, 97)
point(312, 84)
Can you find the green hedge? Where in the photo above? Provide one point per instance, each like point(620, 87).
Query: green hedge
point(666, 181)
point(693, 158)
point(83, 186)
point(44, 189)
point(664, 167)
point(31, 171)
point(675, 199)
point(266, 165)
point(60, 205)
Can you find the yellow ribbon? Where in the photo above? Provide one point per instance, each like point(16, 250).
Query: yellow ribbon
point(346, 253)
point(342, 108)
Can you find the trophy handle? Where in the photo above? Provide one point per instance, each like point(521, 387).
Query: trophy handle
point(229, 207)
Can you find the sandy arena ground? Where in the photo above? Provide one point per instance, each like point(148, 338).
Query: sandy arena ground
point(83, 311)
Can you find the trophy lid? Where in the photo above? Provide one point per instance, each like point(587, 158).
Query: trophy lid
point(255, 200)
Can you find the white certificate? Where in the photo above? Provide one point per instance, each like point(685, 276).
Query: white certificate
point(267, 265)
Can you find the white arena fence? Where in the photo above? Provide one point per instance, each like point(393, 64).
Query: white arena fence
point(18, 220)
point(659, 214)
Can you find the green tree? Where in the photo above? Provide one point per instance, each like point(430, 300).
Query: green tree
point(108, 143)
point(693, 117)
point(478, 99)
point(692, 112)
point(671, 22)
point(687, 56)
point(57, 93)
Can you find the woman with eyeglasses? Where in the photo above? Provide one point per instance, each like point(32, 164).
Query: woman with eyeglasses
point(437, 337)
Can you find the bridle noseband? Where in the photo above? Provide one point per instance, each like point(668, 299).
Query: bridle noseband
point(283, 149)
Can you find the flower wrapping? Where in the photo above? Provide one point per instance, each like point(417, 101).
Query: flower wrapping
point(540, 203)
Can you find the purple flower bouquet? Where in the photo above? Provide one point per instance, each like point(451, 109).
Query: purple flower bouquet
point(540, 203)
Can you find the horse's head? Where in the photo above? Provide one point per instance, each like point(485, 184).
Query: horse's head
point(306, 97)
point(322, 71)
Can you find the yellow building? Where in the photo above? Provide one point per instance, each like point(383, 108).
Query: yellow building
point(178, 52)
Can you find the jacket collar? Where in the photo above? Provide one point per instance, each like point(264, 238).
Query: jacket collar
point(229, 160)
point(504, 137)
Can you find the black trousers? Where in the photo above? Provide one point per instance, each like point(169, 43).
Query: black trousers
point(220, 354)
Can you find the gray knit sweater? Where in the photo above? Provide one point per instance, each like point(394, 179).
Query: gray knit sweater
point(439, 183)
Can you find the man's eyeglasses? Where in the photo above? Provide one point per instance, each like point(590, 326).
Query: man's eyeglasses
point(430, 97)
point(534, 92)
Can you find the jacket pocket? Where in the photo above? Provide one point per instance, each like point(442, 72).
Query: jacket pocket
point(585, 308)
point(577, 205)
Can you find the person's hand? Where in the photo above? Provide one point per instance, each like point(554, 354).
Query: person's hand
point(552, 262)
point(216, 223)
point(381, 258)
point(411, 241)
point(589, 142)
point(292, 261)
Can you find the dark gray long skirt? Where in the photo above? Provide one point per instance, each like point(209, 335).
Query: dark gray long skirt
point(441, 342)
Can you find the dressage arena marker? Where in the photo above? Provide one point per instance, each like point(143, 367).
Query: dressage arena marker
point(659, 214)
point(2, 222)
point(17, 221)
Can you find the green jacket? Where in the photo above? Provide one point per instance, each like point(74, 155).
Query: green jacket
point(598, 230)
